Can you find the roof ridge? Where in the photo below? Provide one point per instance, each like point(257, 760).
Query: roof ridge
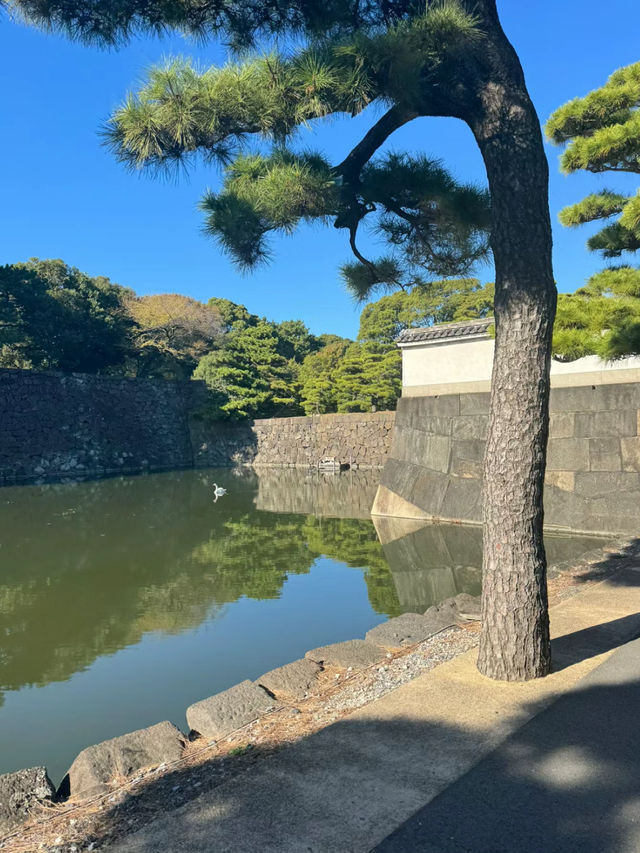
point(458, 329)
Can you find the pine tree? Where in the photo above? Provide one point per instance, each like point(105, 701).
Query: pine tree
point(602, 134)
point(441, 302)
point(414, 59)
point(249, 378)
point(368, 378)
point(318, 378)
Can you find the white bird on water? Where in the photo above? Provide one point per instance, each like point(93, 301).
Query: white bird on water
point(218, 492)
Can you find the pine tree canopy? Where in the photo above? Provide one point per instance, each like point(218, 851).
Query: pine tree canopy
point(399, 60)
point(602, 318)
point(602, 134)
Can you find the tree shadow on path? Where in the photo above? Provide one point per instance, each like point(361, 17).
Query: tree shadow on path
point(568, 779)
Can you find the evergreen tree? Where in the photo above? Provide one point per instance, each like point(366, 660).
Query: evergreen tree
point(249, 378)
point(297, 341)
point(318, 378)
point(415, 58)
point(232, 315)
point(601, 132)
point(368, 378)
point(55, 317)
point(441, 302)
point(602, 318)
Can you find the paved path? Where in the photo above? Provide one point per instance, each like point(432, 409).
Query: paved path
point(346, 788)
point(569, 780)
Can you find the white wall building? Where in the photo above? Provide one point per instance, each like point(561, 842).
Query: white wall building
point(455, 358)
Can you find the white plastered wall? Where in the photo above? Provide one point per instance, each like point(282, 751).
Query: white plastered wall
point(454, 366)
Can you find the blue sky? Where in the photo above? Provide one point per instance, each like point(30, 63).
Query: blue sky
point(63, 195)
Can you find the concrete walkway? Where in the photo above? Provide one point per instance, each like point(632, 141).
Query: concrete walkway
point(567, 782)
point(349, 786)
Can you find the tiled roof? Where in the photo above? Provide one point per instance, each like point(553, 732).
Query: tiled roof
point(445, 330)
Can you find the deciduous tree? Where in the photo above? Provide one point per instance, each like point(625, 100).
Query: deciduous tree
point(173, 332)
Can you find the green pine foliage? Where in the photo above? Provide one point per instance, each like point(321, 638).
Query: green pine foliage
point(245, 117)
point(602, 318)
point(601, 132)
point(249, 378)
point(317, 378)
point(369, 378)
point(443, 301)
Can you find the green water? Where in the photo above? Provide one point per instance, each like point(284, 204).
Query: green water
point(122, 601)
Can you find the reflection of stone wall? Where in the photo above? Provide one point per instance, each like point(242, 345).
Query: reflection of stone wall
point(349, 494)
point(434, 468)
point(438, 561)
point(360, 439)
point(53, 425)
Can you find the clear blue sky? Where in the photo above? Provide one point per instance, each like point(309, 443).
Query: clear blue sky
point(64, 196)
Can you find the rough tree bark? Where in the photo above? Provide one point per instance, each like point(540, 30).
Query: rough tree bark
point(515, 643)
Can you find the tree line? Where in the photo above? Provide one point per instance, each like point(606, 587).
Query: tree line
point(55, 317)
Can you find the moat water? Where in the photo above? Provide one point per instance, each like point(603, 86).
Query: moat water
point(124, 600)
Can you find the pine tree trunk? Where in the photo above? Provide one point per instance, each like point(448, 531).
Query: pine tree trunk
point(514, 643)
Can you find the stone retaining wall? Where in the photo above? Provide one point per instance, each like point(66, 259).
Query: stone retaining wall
point(54, 425)
point(361, 440)
point(434, 469)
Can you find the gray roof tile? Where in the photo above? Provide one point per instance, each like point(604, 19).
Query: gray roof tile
point(446, 330)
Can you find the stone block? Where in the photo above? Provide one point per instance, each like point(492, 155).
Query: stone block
point(421, 448)
point(470, 426)
point(475, 403)
point(583, 398)
point(467, 468)
point(294, 679)
point(565, 480)
point(357, 654)
point(564, 508)
point(399, 476)
point(603, 424)
point(428, 490)
point(219, 715)
point(461, 501)
point(597, 484)
point(604, 454)
point(20, 795)
point(561, 425)
point(469, 448)
point(619, 396)
point(568, 454)
point(630, 448)
point(460, 608)
point(119, 757)
point(406, 630)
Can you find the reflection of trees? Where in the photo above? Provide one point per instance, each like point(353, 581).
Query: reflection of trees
point(253, 555)
point(354, 542)
point(88, 569)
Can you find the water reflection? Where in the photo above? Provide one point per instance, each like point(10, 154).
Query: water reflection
point(88, 568)
point(122, 586)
